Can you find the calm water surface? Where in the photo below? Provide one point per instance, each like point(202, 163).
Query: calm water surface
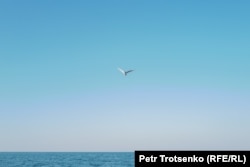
point(50, 159)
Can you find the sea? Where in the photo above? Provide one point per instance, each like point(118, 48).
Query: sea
point(66, 159)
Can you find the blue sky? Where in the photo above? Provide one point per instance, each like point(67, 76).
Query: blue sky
point(60, 89)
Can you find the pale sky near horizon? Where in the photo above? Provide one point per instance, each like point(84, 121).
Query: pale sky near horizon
point(60, 89)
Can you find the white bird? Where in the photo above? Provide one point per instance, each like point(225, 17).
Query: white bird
point(124, 72)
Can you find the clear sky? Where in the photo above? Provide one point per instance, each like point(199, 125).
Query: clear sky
point(60, 89)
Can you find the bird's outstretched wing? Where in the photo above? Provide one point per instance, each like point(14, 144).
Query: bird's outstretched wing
point(122, 71)
point(129, 71)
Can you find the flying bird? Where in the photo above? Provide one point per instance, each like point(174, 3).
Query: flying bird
point(124, 72)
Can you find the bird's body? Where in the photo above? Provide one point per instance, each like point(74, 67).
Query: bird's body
point(124, 72)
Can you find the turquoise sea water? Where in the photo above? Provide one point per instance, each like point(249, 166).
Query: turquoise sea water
point(66, 159)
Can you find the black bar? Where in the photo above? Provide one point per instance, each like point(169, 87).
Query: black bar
point(192, 158)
